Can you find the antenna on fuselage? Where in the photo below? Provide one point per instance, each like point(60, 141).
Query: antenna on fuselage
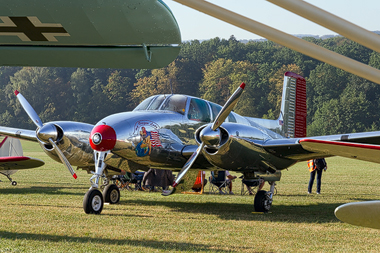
point(171, 86)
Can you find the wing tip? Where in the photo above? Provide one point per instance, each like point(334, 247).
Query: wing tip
point(242, 85)
point(75, 176)
point(16, 92)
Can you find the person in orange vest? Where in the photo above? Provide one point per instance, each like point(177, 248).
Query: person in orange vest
point(316, 166)
point(197, 187)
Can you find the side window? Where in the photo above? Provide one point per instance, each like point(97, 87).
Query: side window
point(215, 108)
point(231, 118)
point(175, 103)
point(199, 111)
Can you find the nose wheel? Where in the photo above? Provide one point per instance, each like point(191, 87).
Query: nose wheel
point(93, 202)
point(111, 194)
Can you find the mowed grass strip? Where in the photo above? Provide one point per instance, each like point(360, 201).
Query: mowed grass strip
point(44, 213)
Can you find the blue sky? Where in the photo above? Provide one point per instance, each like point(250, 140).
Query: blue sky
point(196, 25)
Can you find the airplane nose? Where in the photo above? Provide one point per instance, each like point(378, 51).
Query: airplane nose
point(102, 138)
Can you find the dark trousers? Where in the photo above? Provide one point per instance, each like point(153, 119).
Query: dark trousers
point(311, 181)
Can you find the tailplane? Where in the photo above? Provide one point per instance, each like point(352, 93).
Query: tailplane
point(293, 113)
point(10, 147)
point(12, 159)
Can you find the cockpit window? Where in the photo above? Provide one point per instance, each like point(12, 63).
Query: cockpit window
point(215, 108)
point(231, 118)
point(175, 103)
point(157, 102)
point(199, 110)
point(144, 104)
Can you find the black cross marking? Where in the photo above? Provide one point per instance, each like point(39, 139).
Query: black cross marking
point(23, 25)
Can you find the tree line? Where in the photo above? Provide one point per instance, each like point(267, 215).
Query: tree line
point(338, 102)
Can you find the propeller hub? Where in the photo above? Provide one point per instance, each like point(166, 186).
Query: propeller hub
point(102, 138)
point(210, 137)
point(46, 132)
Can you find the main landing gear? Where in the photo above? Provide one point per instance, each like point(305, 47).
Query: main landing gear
point(94, 200)
point(14, 183)
point(263, 199)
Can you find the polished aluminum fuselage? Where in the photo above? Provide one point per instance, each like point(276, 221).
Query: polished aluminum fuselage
point(176, 135)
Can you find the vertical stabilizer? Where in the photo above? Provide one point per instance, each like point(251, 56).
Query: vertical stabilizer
point(10, 147)
point(293, 106)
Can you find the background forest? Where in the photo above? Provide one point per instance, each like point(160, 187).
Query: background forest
point(338, 102)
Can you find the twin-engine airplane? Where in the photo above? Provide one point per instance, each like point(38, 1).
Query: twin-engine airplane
point(178, 131)
point(12, 159)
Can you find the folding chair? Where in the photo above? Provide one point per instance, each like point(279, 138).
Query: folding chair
point(248, 186)
point(125, 182)
point(218, 183)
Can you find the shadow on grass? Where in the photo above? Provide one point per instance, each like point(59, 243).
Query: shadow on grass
point(321, 213)
point(50, 190)
point(167, 246)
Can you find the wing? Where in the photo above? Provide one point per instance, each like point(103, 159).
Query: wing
point(18, 133)
point(365, 152)
point(19, 163)
point(86, 33)
point(363, 146)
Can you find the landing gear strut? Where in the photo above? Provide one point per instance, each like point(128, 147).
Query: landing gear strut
point(263, 199)
point(93, 200)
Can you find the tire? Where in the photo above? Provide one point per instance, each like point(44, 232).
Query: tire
point(14, 183)
point(111, 194)
point(93, 202)
point(262, 202)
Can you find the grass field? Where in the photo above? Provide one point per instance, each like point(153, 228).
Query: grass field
point(44, 213)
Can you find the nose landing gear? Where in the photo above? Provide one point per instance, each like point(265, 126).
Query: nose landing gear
point(94, 200)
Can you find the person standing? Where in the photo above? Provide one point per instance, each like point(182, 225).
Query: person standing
point(316, 166)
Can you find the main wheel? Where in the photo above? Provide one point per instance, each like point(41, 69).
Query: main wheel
point(93, 202)
point(262, 202)
point(111, 194)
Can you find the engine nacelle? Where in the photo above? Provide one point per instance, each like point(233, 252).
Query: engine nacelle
point(239, 150)
point(73, 141)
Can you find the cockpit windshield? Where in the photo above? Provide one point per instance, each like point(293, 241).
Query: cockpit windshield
point(157, 102)
point(144, 104)
point(175, 103)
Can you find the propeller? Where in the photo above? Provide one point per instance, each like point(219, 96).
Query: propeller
point(47, 133)
point(210, 136)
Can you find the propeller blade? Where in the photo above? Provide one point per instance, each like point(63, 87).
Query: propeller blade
point(29, 109)
point(184, 170)
point(63, 158)
point(228, 107)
